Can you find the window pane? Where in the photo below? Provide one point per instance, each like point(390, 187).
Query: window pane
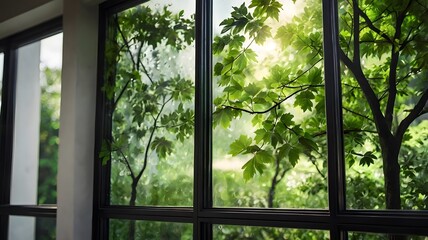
point(381, 236)
point(35, 150)
point(149, 85)
point(269, 136)
point(228, 232)
point(27, 228)
point(120, 229)
point(384, 94)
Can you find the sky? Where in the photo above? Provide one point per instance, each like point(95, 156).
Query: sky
point(51, 52)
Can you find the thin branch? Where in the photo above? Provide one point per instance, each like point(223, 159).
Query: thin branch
point(358, 114)
point(146, 72)
point(120, 95)
point(371, 97)
point(346, 131)
point(125, 42)
point(373, 27)
point(127, 164)
point(269, 109)
point(356, 30)
point(301, 74)
point(149, 142)
point(417, 111)
point(317, 168)
point(392, 76)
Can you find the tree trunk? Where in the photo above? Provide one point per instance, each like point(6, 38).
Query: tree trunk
point(132, 201)
point(391, 172)
point(274, 182)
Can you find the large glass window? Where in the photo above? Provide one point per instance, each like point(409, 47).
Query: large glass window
point(262, 119)
point(268, 121)
point(37, 102)
point(30, 67)
point(150, 93)
point(384, 101)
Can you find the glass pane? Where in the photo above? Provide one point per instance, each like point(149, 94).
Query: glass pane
point(28, 228)
point(269, 136)
point(149, 85)
point(146, 230)
point(381, 236)
point(37, 104)
point(384, 101)
point(228, 232)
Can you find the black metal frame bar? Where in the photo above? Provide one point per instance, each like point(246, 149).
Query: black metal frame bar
point(337, 219)
point(9, 47)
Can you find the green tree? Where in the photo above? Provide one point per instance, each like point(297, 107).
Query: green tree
point(383, 51)
point(50, 87)
point(384, 68)
point(150, 108)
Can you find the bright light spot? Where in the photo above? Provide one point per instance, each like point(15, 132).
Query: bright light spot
point(229, 163)
point(51, 52)
point(266, 50)
point(269, 45)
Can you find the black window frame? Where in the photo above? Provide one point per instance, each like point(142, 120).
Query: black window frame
point(336, 219)
point(9, 47)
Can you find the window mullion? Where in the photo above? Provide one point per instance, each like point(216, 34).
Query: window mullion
point(203, 110)
point(334, 114)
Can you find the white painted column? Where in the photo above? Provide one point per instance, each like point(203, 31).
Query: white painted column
point(25, 161)
point(76, 151)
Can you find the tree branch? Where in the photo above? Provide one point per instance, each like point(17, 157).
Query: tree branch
point(417, 111)
point(392, 76)
point(149, 142)
point(372, 26)
point(356, 30)
point(301, 74)
point(269, 109)
point(358, 114)
point(125, 159)
point(371, 97)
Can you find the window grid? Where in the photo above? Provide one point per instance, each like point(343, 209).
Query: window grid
point(9, 47)
point(337, 219)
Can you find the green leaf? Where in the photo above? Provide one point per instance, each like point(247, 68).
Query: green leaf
point(314, 76)
point(304, 100)
point(249, 169)
point(308, 143)
point(162, 146)
point(260, 135)
point(367, 159)
point(283, 151)
point(218, 68)
point(264, 156)
point(222, 116)
point(239, 145)
point(257, 164)
point(105, 152)
point(293, 155)
point(287, 119)
point(263, 34)
point(252, 89)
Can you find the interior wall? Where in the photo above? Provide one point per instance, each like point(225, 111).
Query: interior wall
point(10, 9)
point(18, 15)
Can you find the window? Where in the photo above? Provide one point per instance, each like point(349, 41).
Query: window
point(31, 92)
point(261, 120)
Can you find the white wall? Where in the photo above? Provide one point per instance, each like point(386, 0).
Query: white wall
point(76, 152)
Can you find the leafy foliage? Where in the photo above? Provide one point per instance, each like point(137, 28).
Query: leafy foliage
point(269, 107)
